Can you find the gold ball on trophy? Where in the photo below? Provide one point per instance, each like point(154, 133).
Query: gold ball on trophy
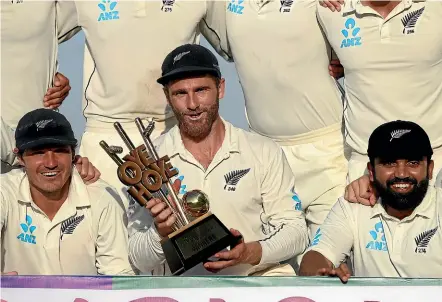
point(196, 203)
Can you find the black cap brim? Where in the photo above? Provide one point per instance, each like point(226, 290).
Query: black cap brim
point(187, 71)
point(47, 141)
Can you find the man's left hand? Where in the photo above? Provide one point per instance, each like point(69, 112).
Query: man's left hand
point(55, 95)
point(249, 253)
point(87, 170)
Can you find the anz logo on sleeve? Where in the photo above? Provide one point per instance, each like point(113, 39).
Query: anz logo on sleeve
point(236, 7)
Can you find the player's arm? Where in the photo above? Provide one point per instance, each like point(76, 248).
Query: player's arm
point(112, 241)
point(289, 234)
point(214, 29)
point(332, 242)
point(145, 251)
point(67, 20)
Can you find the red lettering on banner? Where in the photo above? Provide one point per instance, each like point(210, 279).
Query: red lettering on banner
point(154, 299)
point(217, 300)
point(80, 300)
point(297, 299)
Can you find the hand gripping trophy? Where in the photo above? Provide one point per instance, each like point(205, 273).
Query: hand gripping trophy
point(198, 234)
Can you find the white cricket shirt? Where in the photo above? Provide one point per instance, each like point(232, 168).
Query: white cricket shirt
point(29, 31)
point(86, 237)
point(393, 66)
point(250, 187)
point(282, 61)
point(128, 41)
point(384, 246)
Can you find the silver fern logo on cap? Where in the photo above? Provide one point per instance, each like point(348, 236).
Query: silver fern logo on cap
point(398, 133)
point(180, 56)
point(42, 124)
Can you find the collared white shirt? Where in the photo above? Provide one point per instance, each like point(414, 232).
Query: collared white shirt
point(382, 245)
point(393, 66)
point(250, 187)
point(127, 41)
point(282, 60)
point(87, 236)
point(29, 31)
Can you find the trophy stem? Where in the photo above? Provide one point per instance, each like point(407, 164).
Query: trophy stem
point(151, 148)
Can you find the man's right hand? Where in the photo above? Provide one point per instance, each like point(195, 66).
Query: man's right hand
point(361, 191)
point(342, 272)
point(332, 4)
point(162, 214)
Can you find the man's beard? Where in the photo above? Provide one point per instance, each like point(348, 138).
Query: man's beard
point(201, 128)
point(402, 201)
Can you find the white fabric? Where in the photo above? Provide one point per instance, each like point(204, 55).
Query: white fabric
point(392, 71)
point(282, 61)
point(34, 245)
point(382, 245)
point(260, 205)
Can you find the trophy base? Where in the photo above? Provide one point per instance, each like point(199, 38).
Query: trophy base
point(196, 242)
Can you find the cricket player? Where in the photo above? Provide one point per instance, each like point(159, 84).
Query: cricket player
point(30, 31)
point(126, 42)
point(387, 77)
point(289, 95)
point(51, 222)
point(245, 175)
point(400, 236)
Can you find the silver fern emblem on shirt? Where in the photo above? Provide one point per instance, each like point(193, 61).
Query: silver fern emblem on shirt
point(398, 133)
point(410, 19)
point(68, 226)
point(423, 240)
point(232, 178)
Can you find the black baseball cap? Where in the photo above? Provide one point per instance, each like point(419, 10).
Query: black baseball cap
point(186, 60)
point(399, 140)
point(42, 127)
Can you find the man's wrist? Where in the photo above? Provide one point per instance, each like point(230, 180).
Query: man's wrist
point(253, 252)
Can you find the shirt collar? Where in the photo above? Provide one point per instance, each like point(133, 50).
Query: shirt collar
point(351, 6)
point(77, 195)
point(425, 209)
point(175, 145)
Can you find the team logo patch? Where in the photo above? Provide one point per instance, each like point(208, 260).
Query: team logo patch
point(28, 230)
point(423, 239)
point(236, 7)
point(409, 21)
point(167, 6)
point(68, 226)
point(378, 243)
point(108, 10)
point(398, 133)
point(232, 178)
point(351, 34)
point(286, 6)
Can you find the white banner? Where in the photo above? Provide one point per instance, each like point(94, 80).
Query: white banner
point(344, 293)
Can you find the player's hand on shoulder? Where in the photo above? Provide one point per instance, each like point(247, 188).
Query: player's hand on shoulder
point(361, 191)
point(333, 5)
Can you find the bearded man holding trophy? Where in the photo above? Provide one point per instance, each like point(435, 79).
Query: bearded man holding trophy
point(240, 217)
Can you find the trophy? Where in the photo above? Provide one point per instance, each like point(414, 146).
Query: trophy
point(197, 233)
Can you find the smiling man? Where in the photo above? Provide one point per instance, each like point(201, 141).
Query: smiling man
point(51, 222)
point(246, 176)
point(400, 236)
